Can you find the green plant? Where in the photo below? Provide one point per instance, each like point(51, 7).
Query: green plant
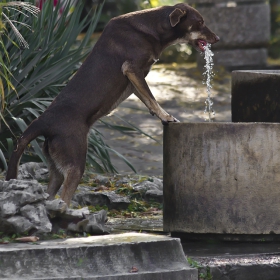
point(206, 274)
point(193, 263)
point(7, 20)
point(274, 44)
point(56, 51)
point(39, 72)
point(137, 206)
point(203, 273)
point(97, 208)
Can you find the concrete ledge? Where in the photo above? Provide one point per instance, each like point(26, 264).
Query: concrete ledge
point(109, 257)
point(222, 178)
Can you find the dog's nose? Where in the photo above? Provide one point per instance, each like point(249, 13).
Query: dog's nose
point(217, 39)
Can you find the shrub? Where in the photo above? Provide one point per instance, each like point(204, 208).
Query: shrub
point(40, 72)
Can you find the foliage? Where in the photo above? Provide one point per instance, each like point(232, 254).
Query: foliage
point(56, 50)
point(6, 238)
point(111, 9)
point(203, 273)
point(40, 71)
point(138, 205)
point(274, 45)
point(156, 3)
point(7, 20)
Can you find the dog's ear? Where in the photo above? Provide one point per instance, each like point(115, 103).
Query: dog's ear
point(175, 16)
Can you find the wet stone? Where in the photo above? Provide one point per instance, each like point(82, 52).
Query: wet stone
point(55, 206)
point(81, 221)
point(151, 191)
point(158, 182)
point(33, 170)
point(122, 181)
point(74, 213)
point(37, 216)
point(154, 195)
point(17, 224)
point(102, 180)
point(109, 199)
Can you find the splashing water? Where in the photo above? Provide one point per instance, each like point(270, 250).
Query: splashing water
point(208, 75)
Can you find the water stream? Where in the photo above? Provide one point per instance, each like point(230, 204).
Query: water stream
point(208, 75)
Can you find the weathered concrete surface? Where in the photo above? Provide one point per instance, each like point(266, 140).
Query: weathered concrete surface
point(256, 96)
point(222, 178)
point(236, 261)
point(256, 267)
point(237, 58)
point(244, 31)
point(244, 26)
point(125, 256)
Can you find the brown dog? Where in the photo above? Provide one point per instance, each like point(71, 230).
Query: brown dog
point(117, 66)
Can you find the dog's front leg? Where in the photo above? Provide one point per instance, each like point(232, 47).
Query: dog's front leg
point(144, 93)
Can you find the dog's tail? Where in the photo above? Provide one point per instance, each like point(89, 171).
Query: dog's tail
point(34, 130)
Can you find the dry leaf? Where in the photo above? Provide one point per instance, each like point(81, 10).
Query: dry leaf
point(102, 188)
point(134, 269)
point(28, 239)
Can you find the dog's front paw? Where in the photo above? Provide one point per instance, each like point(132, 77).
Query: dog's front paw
point(168, 120)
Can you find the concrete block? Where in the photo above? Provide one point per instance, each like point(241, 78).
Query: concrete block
point(237, 58)
point(244, 26)
point(222, 178)
point(256, 96)
point(130, 256)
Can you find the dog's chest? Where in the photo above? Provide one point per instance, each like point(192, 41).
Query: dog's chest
point(125, 94)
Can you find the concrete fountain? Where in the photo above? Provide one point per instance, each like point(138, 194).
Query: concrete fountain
point(223, 178)
point(221, 182)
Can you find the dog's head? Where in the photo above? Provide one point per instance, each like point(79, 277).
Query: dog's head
point(190, 27)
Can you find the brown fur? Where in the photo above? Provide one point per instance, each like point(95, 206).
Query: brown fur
point(117, 66)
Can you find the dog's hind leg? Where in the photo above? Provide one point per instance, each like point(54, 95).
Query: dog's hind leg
point(68, 157)
point(72, 179)
point(56, 178)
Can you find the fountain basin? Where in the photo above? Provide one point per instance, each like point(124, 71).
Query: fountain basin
point(222, 178)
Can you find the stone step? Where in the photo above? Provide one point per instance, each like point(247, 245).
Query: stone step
point(111, 257)
point(234, 260)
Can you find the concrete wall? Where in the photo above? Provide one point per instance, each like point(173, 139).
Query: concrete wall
point(222, 178)
point(243, 28)
point(255, 96)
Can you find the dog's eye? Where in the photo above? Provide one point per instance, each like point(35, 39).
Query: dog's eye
point(201, 22)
